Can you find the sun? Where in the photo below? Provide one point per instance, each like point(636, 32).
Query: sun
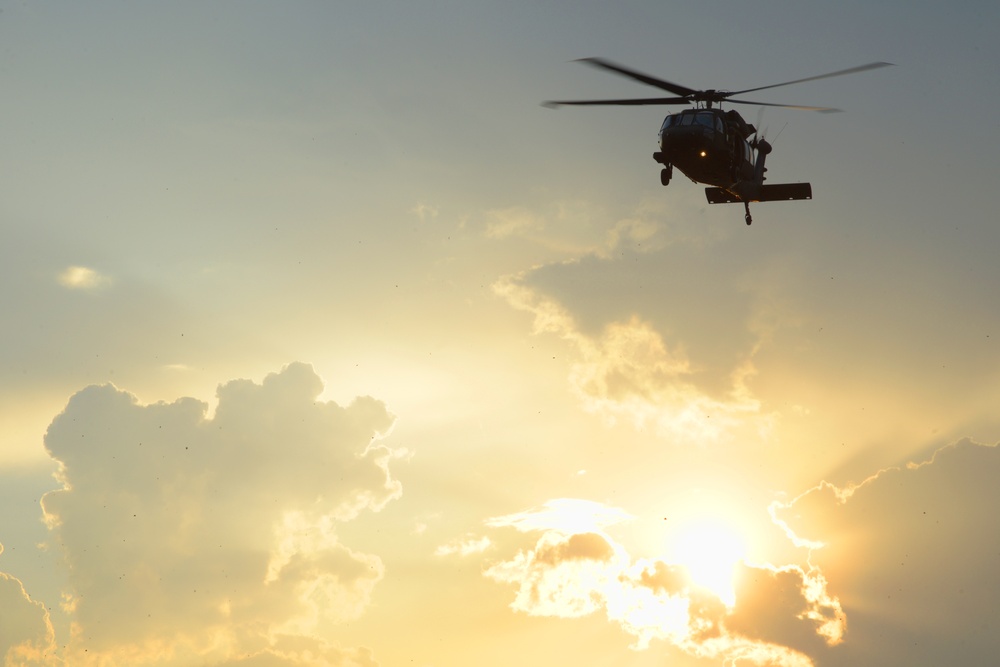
point(710, 549)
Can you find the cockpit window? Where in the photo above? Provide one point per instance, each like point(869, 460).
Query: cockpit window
point(706, 119)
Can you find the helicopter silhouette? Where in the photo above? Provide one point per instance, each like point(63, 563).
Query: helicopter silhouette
point(710, 145)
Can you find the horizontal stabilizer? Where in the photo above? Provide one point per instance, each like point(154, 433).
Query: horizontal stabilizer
point(785, 192)
point(776, 192)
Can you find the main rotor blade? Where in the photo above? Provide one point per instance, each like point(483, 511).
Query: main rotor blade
point(852, 70)
point(638, 76)
point(627, 102)
point(787, 106)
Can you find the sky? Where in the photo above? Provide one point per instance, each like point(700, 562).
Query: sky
point(324, 344)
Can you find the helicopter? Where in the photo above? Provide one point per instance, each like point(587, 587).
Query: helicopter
point(709, 145)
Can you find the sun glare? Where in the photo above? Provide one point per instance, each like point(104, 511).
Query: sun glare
point(710, 549)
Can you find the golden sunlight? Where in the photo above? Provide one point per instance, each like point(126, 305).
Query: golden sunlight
point(710, 549)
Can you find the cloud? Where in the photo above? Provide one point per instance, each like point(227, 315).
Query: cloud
point(204, 539)
point(573, 564)
point(562, 576)
point(899, 569)
point(786, 606)
point(780, 615)
point(424, 211)
point(563, 515)
point(464, 546)
point(628, 372)
point(26, 635)
point(580, 227)
point(913, 553)
point(82, 278)
point(504, 223)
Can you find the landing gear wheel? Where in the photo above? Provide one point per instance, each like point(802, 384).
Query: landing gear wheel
point(748, 218)
point(665, 175)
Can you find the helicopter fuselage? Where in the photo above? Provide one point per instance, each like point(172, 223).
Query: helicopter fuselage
point(708, 146)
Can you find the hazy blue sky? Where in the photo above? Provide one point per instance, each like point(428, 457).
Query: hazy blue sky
point(324, 344)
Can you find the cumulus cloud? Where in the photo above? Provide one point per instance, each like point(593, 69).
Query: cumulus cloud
point(914, 554)
point(562, 576)
point(629, 372)
point(779, 617)
point(193, 538)
point(26, 635)
point(899, 569)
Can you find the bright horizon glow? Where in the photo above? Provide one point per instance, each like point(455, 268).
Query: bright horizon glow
point(710, 549)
